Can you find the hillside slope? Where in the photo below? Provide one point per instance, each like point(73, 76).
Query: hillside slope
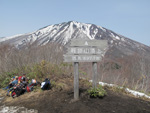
point(59, 100)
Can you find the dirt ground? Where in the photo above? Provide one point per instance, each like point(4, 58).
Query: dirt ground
point(60, 101)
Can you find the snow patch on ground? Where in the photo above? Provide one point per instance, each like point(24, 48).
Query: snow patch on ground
point(134, 93)
point(15, 109)
point(1, 98)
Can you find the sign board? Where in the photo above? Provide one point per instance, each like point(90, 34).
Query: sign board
point(88, 43)
point(82, 58)
point(85, 50)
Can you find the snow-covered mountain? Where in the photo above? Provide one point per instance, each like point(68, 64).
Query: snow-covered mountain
point(64, 32)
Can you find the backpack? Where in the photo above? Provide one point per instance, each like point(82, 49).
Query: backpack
point(19, 79)
point(45, 85)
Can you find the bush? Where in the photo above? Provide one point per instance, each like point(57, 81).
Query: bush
point(53, 84)
point(97, 92)
point(118, 89)
point(37, 71)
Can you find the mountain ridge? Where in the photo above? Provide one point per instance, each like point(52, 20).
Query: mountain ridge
point(62, 33)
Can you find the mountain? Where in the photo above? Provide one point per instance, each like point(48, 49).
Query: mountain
point(64, 32)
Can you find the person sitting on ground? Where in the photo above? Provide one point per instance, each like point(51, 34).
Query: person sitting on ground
point(12, 85)
point(24, 77)
point(30, 86)
point(13, 82)
point(24, 80)
point(21, 88)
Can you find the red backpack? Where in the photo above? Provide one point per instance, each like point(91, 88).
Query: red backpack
point(19, 79)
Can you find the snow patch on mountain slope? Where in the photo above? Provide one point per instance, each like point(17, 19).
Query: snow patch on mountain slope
point(94, 33)
point(118, 38)
point(8, 38)
point(84, 27)
point(102, 28)
point(68, 33)
point(122, 39)
point(115, 37)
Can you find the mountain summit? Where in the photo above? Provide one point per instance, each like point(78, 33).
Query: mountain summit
point(64, 32)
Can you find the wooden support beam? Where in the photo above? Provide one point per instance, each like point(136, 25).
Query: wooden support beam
point(94, 65)
point(76, 80)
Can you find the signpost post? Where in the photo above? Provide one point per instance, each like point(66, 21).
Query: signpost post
point(82, 50)
point(76, 80)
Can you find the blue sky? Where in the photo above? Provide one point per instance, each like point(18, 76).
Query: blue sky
point(130, 18)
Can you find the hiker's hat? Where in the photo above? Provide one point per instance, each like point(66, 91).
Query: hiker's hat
point(33, 81)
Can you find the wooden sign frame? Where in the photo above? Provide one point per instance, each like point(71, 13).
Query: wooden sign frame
point(83, 50)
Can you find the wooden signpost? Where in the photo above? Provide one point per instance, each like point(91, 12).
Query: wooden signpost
point(83, 50)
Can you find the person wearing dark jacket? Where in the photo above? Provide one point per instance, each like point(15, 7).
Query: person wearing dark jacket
point(21, 88)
